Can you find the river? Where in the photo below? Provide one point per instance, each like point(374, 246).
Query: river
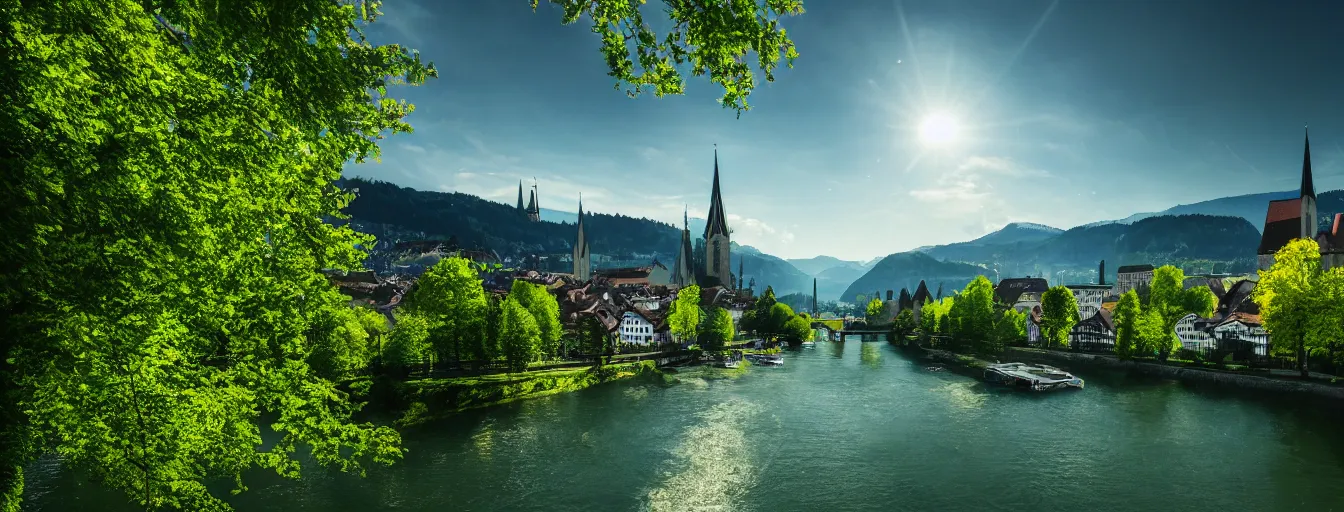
point(843, 426)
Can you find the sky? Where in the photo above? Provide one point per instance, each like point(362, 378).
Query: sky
point(902, 124)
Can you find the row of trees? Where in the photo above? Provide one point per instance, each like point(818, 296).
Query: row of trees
point(970, 319)
point(775, 321)
point(1146, 326)
point(448, 317)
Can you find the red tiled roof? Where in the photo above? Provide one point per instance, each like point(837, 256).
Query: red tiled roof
point(1278, 233)
point(1284, 209)
point(1245, 318)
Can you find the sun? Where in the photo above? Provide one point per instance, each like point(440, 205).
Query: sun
point(939, 130)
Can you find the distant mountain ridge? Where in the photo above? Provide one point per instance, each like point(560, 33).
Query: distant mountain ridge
point(1251, 207)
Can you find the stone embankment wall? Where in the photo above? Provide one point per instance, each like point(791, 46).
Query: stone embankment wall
point(1197, 376)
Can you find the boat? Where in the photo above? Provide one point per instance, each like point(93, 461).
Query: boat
point(809, 344)
point(1033, 377)
point(766, 359)
point(728, 363)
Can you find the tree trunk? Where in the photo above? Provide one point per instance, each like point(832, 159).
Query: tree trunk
point(1302, 359)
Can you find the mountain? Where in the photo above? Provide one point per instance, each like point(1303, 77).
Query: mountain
point(1225, 242)
point(1018, 232)
point(561, 217)
point(906, 269)
point(816, 265)
point(771, 271)
point(832, 282)
point(1251, 207)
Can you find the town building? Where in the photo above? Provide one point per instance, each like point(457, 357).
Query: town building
point(718, 266)
point(1095, 333)
point(1089, 298)
point(643, 327)
point(1332, 243)
point(583, 265)
point(921, 296)
point(1130, 277)
point(533, 205)
point(654, 274)
point(683, 272)
point(1034, 325)
point(1290, 219)
point(1195, 332)
point(1011, 291)
point(1244, 327)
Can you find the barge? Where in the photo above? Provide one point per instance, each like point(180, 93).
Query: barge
point(1033, 377)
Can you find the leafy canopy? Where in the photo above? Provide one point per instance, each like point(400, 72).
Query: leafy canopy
point(717, 329)
point(684, 319)
point(1059, 313)
point(713, 37)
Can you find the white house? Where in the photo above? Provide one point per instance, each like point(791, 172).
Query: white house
point(635, 328)
point(1089, 297)
point(1193, 336)
point(1244, 327)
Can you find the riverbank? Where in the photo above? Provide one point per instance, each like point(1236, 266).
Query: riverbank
point(1199, 376)
point(423, 400)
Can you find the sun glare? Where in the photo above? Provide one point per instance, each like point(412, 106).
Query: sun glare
point(939, 130)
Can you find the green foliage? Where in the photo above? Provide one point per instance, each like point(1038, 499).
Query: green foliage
point(545, 311)
point(714, 38)
point(1127, 313)
point(591, 336)
point(903, 325)
point(1009, 329)
point(1151, 335)
point(519, 336)
point(716, 330)
point(971, 317)
point(408, 344)
point(796, 329)
point(450, 297)
point(1300, 304)
point(874, 311)
point(775, 324)
point(166, 169)
point(1059, 313)
point(1171, 301)
point(340, 343)
point(684, 319)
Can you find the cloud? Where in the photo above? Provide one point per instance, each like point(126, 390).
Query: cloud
point(749, 231)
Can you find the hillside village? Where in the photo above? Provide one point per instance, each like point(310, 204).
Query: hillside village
point(632, 301)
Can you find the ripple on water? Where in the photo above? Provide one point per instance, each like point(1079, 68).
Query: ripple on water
point(712, 467)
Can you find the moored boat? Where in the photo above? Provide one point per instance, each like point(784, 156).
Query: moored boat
point(1033, 377)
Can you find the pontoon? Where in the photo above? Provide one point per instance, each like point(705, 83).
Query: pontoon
point(1034, 377)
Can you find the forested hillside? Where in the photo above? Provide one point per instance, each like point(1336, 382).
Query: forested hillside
point(906, 269)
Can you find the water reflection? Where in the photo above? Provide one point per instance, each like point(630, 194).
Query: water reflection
point(838, 349)
point(964, 395)
point(712, 467)
point(870, 354)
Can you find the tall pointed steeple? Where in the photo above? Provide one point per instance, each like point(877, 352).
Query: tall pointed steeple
point(682, 272)
point(520, 194)
point(716, 223)
point(1308, 188)
point(582, 258)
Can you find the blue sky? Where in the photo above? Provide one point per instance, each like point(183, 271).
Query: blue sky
point(1067, 112)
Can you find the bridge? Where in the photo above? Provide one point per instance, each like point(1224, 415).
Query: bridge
point(836, 330)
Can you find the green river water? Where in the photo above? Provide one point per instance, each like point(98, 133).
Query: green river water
point(843, 426)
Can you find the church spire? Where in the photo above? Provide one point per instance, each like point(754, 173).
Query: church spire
point(1308, 188)
point(520, 194)
point(716, 224)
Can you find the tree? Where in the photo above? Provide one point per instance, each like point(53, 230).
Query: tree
point(166, 215)
point(903, 325)
point(717, 329)
point(519, 336)
point(1171, 301)
point(1059, 313)
point(450, 296)
point(972, 315)
point(796, 330)
point(776, 323)
point(1126, 319)
point(340, 344)
point(1009, 329)
point(1150, 336)
point(592, 337)
point(874, 311)
point(545, 311)
point(1289, 295)
point(408, 344)
point(684, 320)
point(713, 37)
point(928, 317)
